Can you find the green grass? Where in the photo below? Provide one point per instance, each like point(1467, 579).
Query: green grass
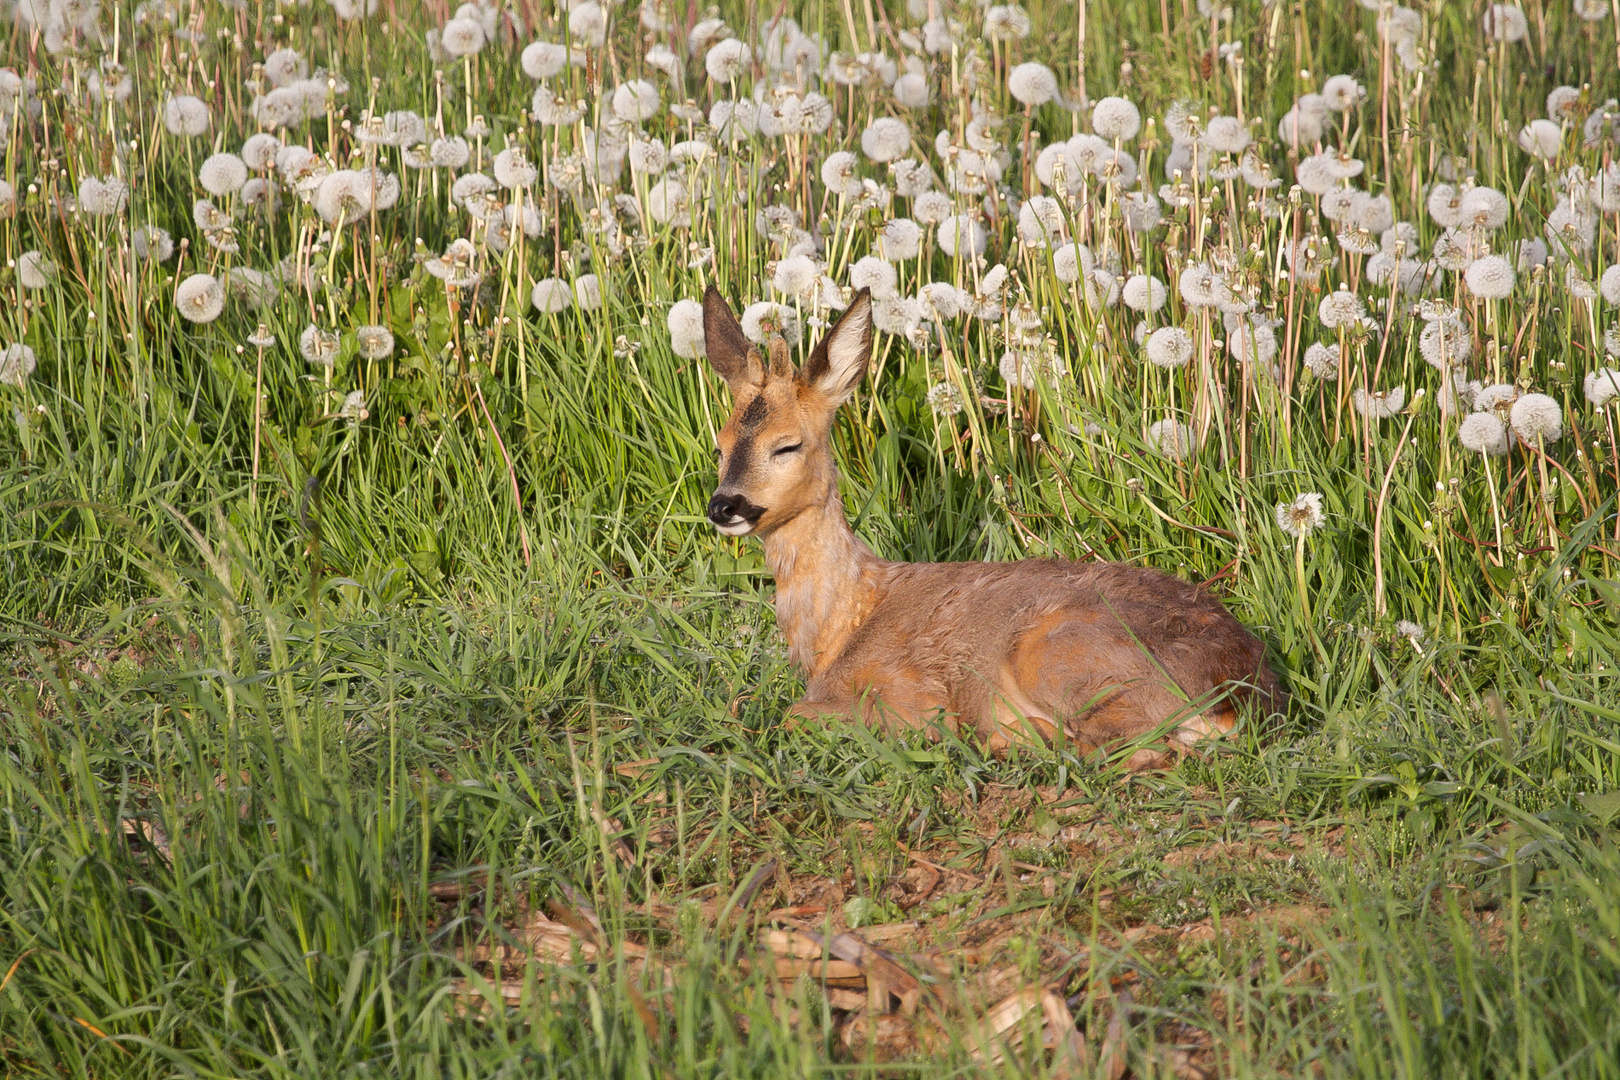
point(282, 751)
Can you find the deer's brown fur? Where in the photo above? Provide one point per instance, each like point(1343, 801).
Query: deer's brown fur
point(1095, 654)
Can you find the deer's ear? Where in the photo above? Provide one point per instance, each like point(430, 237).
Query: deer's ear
point(730, 354)
point(839, 361)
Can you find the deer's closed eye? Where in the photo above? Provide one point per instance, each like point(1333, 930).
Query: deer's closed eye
point(794, 449)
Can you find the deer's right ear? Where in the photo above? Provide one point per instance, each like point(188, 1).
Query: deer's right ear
point(730, 354)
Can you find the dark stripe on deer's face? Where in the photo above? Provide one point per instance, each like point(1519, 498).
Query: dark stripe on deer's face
point(754, 415)
point(738, 463)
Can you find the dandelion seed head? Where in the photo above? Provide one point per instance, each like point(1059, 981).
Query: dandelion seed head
point(1172, 439)
point(553, 295)
point(17, 362)
point(222, 174)
point(945, 400)
point(1116, 119)
point(1032, 84)
point(635, 101)
point(102, 197)
point(1301, 515)
point(1007, 22)
point(152, 243)
point(1226, 135)
point(1483, 207)
point(1505, 22)
point(1602, 386)
point(545, 59)
point(1483, 433)
point(1537, 418)
point(886, 139)
point(1169, 347)
point(185, 115)
point(1342, 92)
point(318, 346)
point(1496, 398)
point(1379, 404)
point(374, 342)
point(462, 37)
point(1543, 138)
point(35, 271)
point(514, 170)
point(931, 207)
point(1322, 360)
point(1490, 277)
point(1041, 221)
point(1341, 308)
point(1445, 343)
point(727, 60)
point(762, 319)
point(962, 234)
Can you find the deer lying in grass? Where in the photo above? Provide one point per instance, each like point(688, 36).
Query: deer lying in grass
point(1096, 654)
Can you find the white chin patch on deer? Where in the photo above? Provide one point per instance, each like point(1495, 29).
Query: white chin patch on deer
point(737, 527)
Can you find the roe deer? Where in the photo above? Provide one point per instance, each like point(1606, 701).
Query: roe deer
point(1097, 653)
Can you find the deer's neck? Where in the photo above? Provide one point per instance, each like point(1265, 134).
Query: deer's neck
point(827, 582)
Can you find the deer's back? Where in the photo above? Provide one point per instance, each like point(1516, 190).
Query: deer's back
point(955, 629)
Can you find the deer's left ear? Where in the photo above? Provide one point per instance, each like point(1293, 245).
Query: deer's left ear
point(838, 363)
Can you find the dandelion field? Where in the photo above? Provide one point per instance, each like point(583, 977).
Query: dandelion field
point(375, 699)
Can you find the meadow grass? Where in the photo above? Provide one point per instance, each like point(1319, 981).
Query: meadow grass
point(325, 681)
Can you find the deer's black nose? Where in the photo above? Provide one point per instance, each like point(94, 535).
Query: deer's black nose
point(726, 509)
point(723, 508)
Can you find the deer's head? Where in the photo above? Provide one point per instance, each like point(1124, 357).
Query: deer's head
point(773, 454)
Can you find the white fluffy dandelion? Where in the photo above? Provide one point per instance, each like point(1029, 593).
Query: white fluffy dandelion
point(1032, 84)
point(1341, 308)
point(17, 362)
point(185, 115)
point(1116, 119)
point(35, 271)
point(727, 60)
point(200, 298)
point(759, 321)
point(1173, 439)
point(318, 346)
point(886, 139)
point(1169, 347)
point(222, 174)
point(553, 295)
point(374, 342)
point(1490, 277)
point(1301, 515)
point(1602, 386)
point(962, 234)
point(1379, 404)
point(870, 272)
point(1537, 418)
point(1144, 293)
point(1483, 433)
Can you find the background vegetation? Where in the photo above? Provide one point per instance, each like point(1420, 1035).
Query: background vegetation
point(309, 697)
